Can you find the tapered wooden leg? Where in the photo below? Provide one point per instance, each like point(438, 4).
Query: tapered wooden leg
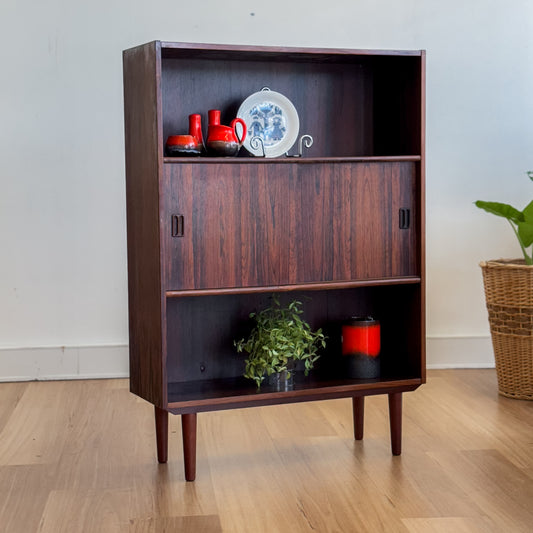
point(161, 434)
point(358, 416)
point(395, 415)
point(188, 429)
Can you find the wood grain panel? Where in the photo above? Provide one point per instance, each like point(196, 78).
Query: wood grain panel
point(141, 75)
point(235, 220)
point(421, 205)
point(345, 225)
point(311, 197)
point(266, 225)
point(372, 216)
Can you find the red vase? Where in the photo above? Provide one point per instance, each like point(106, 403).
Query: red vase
point(361, 346)
point(195, 129)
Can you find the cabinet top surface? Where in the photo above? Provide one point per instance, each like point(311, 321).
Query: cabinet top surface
point(177, 49)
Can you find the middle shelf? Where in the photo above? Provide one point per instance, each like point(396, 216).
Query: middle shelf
point(407, 280)
point(298, 160)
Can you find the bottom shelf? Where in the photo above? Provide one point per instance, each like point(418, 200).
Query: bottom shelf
point(232, 393)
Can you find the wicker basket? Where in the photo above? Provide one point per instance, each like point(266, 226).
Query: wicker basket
point(509, 297)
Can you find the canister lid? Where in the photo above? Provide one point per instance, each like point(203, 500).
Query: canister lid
point(361, 321)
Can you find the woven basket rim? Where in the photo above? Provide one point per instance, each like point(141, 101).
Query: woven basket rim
point(506, 263)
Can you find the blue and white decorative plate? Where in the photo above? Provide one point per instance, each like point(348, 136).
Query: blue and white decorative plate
point(272, 117)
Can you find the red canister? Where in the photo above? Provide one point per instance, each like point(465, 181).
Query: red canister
point(361, 346)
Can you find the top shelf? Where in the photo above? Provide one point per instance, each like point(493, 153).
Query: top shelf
point(275, 53)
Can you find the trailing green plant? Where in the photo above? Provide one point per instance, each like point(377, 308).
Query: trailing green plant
point(279, 337)
point(521, 222)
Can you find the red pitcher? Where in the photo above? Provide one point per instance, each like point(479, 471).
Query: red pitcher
point(224, 140)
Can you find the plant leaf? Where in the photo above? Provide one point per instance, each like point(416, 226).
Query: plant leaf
point(525, 228)
point(502, 210)
point(525, 231)
point(528, 212)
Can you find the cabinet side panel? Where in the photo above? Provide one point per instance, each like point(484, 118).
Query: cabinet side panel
point(421, 191)
point(142, 196)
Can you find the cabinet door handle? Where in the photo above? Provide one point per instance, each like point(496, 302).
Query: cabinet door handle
point(177, 226)
point(405, 218)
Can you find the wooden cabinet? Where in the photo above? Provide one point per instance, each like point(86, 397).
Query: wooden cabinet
point(210, 239)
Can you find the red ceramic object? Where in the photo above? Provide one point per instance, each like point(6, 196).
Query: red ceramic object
point(224, 140)
point(221, 133)
point(361, 346)
point(195, 128)
point(213, 117)
point(182, 145)
point(185, 141)
point(233, 124)
point(361, 336)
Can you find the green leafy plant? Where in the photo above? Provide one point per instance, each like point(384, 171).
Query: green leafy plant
point(279, 337)
point(521, 222)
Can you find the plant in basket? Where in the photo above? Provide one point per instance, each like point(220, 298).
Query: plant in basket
point(509, 297)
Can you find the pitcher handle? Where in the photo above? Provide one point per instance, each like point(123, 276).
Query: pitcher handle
point(233, 124)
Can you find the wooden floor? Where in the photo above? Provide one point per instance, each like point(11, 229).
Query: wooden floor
point(80, 457)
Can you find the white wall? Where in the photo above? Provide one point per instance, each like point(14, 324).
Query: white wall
point(62, 196)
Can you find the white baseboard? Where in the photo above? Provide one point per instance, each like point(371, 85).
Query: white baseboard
point(459, 352)
point(64, 362)
point(111, 361)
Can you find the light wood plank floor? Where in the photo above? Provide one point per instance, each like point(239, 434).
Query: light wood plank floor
point(80, 457)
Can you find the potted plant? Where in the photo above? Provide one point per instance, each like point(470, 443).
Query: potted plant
point(509, 298)
point(279, 338)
